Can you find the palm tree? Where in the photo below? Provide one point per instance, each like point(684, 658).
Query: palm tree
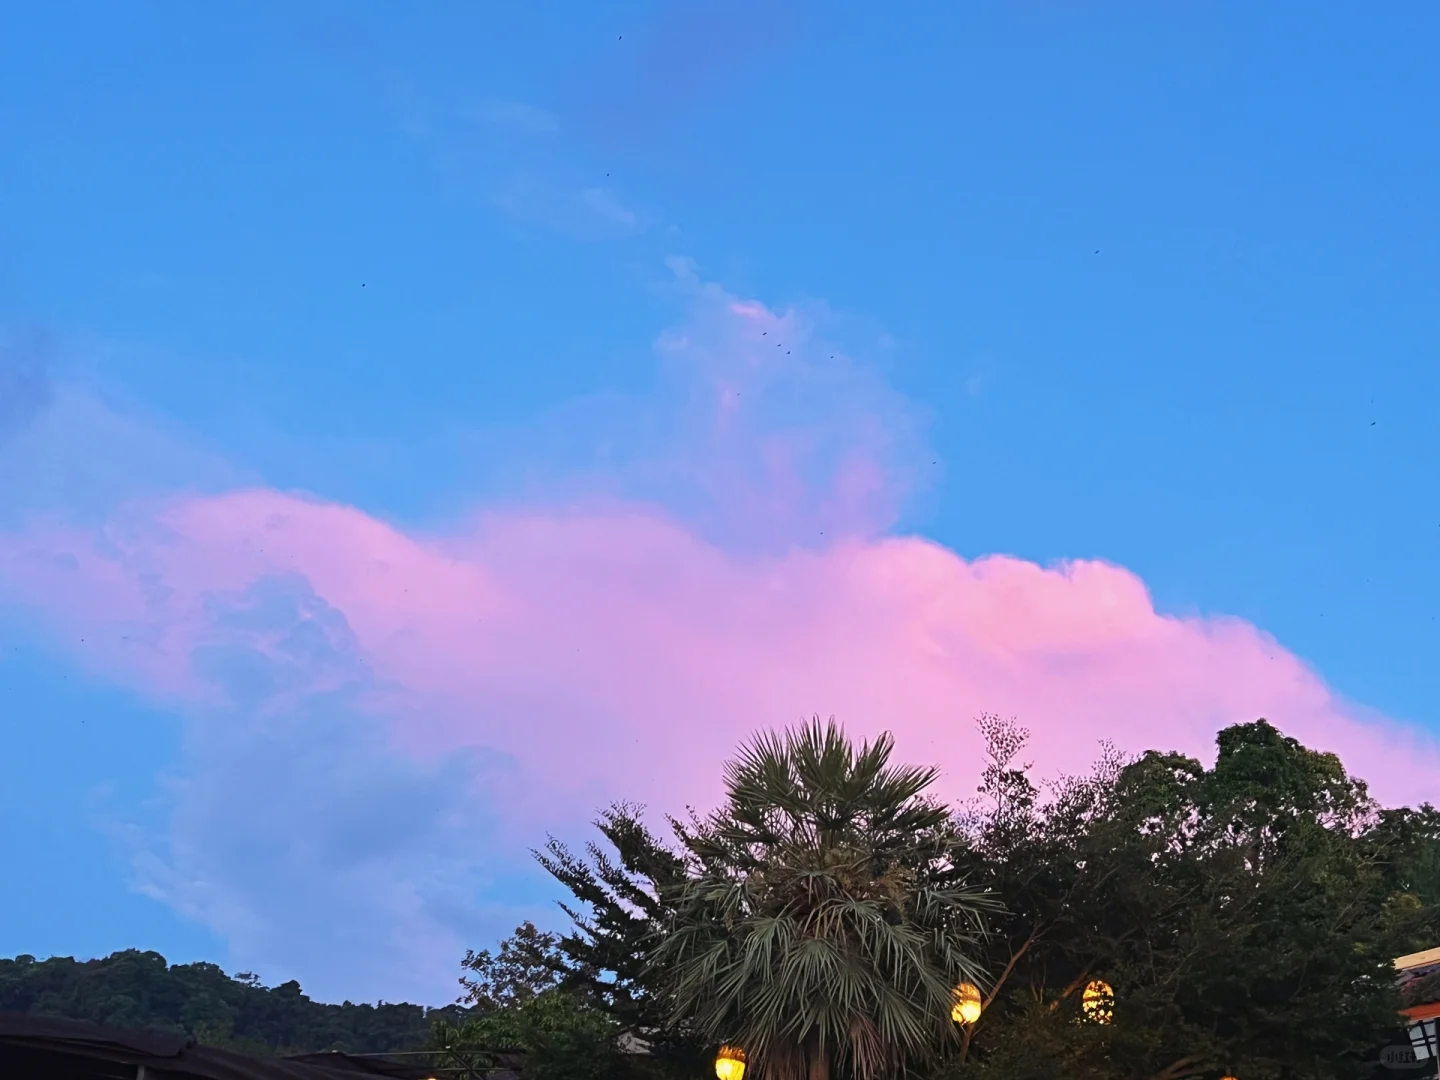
point(823, 922)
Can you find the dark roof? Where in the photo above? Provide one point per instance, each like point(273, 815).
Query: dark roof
point(37, 1046)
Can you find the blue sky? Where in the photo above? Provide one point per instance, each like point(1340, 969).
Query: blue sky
point(1149, 284)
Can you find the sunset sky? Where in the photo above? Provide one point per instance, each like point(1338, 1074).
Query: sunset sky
point(421, 425)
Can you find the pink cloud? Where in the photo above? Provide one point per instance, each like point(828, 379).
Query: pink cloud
point(615, 653)
point(749, 309)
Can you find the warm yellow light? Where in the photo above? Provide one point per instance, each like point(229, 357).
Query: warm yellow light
point(968, 1004)
point(1098, 1002)
point(730, 1063)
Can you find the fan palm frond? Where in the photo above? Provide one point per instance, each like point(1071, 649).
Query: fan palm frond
point(823, 922)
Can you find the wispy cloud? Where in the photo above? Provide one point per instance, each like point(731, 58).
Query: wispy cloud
point(25, 388)
point(80, 450)
point(585, 213)
point(759, 430)
point(382, 721)
point(517, 115)
point(294, 802)
point(607, 205)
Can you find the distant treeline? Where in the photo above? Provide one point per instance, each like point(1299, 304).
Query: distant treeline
point(139, 990)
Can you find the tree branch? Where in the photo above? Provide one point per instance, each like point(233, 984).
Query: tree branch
point(1010, 966)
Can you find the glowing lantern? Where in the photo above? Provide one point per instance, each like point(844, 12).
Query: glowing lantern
point(966, 1009)
point(1098, 1002)
point(730, 1063)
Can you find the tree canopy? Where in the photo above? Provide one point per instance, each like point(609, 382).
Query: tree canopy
point(1242, 917)
point(140, 990)
point(1246, 915)
point(529, 962)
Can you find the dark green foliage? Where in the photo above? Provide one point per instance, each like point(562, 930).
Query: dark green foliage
point(553, 1036)
point(529, 963)
point(139, 990)
point(1246, 915)
point(1411, 841)
point(622, 892)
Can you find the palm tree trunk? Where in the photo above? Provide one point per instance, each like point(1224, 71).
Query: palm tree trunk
point(819, 1060)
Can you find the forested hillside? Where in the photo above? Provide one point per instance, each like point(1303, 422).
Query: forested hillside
point(134, 989)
